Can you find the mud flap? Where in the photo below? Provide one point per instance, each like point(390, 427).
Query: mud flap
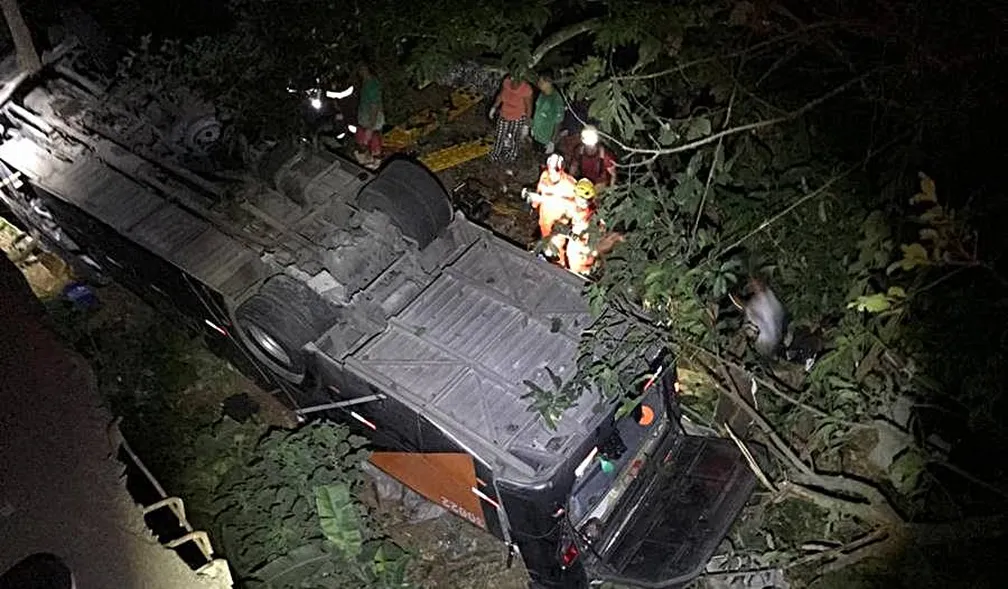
point(445, 478)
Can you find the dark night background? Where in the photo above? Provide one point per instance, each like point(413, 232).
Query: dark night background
point(933, 94)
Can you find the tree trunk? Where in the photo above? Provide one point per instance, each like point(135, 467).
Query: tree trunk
point(28, 58)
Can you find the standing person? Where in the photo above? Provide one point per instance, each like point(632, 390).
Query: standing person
point(549, 113)
point(581, 252)
point(580, 256)
point(592, 161)
point(515, 103)
point(370, 115)
point(554, 197)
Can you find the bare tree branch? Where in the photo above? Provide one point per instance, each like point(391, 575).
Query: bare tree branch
point(870, 539)
point(753, 465)
point(840, 492)
point(718, 151)
point(743, 128)
point(773, 388)
point(971, 477)
point(814, 194)
point(560, 37)
point(765, 426)
point(874, 544)
point(762, 44)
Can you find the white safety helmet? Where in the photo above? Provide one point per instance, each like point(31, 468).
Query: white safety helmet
point(589, 136)
point(554, 162)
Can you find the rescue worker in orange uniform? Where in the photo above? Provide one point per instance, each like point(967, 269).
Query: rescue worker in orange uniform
point(580, 255)
point(554, 198)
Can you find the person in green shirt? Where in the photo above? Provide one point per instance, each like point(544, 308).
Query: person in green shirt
point(549, 113)
point(370, 115)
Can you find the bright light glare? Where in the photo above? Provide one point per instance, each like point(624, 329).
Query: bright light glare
point(341, 136)
point(215, 327)
point(361, 419)
point(352, 128)
point(581, 468)
point(316, 103)
point(339, 95)
point(589, 136)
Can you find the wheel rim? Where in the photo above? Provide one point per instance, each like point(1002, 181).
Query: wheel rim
point(202, 135)
point(269, 345)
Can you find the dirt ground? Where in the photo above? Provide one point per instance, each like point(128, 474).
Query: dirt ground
point(449, 553)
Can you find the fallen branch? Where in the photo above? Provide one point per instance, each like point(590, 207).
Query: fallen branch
point(765, 426)
point(753, 465)
point(865, 547)
point(845, 494)
point(773, 388)
point(845, 551)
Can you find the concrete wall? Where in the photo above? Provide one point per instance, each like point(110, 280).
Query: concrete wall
point(60, 489)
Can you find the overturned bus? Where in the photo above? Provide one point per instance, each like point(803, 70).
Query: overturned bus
point(364, 297)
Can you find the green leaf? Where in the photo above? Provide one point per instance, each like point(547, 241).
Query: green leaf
point(339, 518)
point(554, 378)
point(294, 569)
point(668, 135)
point(626, 407)
point(596, 299)
point(698, 127)
point(928, 191)
point(693, 168)
point(654, 276)
point(914, 255)
point(906, 470)
point(534, 389)
point(875, 303)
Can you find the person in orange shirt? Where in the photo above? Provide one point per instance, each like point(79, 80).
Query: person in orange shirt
point(554, 197)
point(514, 102)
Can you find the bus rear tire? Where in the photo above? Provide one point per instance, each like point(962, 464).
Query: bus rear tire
point(279, 320)
point(413, 199)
